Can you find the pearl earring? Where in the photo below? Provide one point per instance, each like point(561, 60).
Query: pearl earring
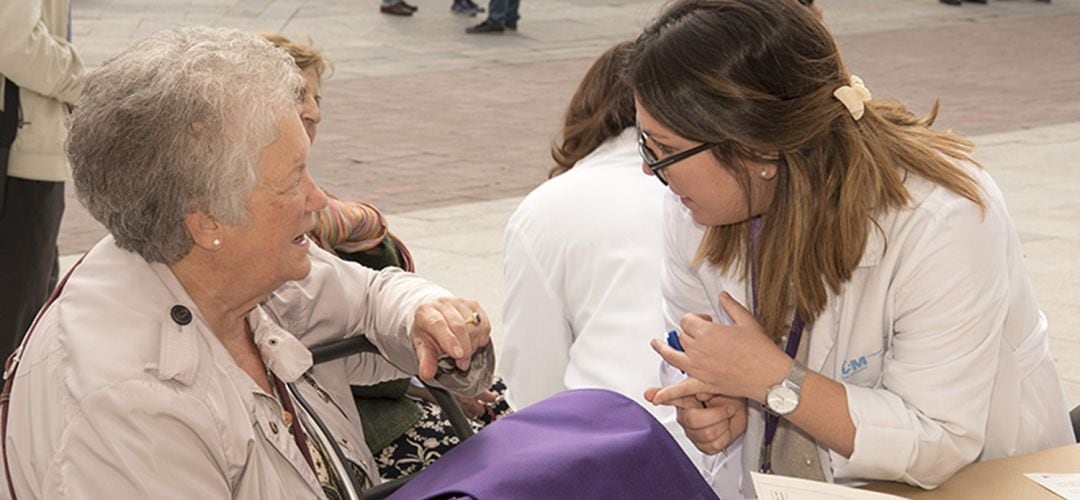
point(217, 242)
point(764, 174)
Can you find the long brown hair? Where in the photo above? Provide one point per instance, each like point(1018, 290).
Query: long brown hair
point(758, 75)
point(602, 107)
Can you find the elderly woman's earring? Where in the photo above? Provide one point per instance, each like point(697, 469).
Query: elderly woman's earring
point(217, 242)
point(765, 174)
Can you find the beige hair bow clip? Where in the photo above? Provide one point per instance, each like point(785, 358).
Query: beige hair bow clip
point(853, 96)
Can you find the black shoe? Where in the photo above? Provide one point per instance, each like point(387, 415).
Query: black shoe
point(485, 27)
point(512, 26)
point(409, 6)
point(977, 1)
point(951, 2)
point(398, 9)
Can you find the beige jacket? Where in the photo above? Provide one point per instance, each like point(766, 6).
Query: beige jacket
point(116, 399)
point(35, 54)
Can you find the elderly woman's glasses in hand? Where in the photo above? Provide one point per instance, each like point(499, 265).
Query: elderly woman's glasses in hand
point(656, 165)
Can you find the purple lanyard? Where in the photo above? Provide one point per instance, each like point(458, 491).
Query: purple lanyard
point(771, 419)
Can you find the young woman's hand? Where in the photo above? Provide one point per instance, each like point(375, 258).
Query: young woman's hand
point(737, 360)
point(712, 422)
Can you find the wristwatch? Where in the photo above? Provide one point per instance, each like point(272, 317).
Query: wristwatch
point(783, 398)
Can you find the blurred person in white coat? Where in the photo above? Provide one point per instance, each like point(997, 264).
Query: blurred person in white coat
point(582, 260)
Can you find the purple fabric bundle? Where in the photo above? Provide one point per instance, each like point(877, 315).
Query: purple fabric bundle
point(586, 443)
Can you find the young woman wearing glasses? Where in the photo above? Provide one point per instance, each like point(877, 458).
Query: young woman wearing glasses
point(871, 315)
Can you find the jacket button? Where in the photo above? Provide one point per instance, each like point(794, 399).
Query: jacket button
point(273, 427)
point(180, 314)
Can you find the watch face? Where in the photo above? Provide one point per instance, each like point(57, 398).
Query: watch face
point(782, 400)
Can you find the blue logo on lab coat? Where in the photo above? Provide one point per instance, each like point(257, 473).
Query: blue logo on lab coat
point(857, 364)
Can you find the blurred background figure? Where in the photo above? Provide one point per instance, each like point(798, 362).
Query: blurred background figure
point(41, 75)
point(397, 8)
point(502, 16)
point(466, 8)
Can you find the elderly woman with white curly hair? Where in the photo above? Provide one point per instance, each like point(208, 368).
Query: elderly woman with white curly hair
point(173, 360)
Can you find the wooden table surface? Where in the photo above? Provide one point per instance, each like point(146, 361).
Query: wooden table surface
point(996, 479)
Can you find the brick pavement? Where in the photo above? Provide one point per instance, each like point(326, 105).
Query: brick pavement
point(446, 131)
point(419, 115)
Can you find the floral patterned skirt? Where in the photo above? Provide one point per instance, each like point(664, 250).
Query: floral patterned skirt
point(432, 436)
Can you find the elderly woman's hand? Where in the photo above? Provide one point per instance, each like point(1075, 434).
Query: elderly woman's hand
point(452, 326)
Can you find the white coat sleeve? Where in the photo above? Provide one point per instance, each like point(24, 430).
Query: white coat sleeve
point(680, 284)
point(34, 58)
point(928, 416)
point(134, 440)
point(536, 345)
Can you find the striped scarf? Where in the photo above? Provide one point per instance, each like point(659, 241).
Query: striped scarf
point(351, 227)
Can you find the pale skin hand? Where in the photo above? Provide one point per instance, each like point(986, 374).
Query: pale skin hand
point(441, 327)
point(740, 361)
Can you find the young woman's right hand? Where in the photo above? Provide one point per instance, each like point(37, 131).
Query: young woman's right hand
point(711, 428)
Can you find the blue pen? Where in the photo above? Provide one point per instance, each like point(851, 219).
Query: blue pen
point(673, 341)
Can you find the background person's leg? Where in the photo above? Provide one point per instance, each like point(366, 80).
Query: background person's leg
point(511, 18)
point(29, 224)
point(496, 20)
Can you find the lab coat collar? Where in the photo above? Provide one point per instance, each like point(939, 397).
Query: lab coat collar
point(875, 246)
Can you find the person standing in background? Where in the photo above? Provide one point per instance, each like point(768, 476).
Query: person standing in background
point(502, 16)
point(397, 8)
point(41, 75)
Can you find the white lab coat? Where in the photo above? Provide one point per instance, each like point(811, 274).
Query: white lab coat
point(115, 398)
point(582, 269)
point(937, 338)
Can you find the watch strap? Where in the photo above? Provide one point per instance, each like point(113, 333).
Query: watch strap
point(796, 376)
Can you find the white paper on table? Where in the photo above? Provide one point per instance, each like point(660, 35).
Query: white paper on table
point(773, 487)
point(1063, 485)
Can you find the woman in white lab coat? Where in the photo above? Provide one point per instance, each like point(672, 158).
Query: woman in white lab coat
point(871, 317)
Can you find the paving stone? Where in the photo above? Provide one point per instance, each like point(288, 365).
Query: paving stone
point(446, 131)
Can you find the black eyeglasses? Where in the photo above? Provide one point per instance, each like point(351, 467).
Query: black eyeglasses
point(656, 165)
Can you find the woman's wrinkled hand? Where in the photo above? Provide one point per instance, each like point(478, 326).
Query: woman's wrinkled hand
point(450, 326)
